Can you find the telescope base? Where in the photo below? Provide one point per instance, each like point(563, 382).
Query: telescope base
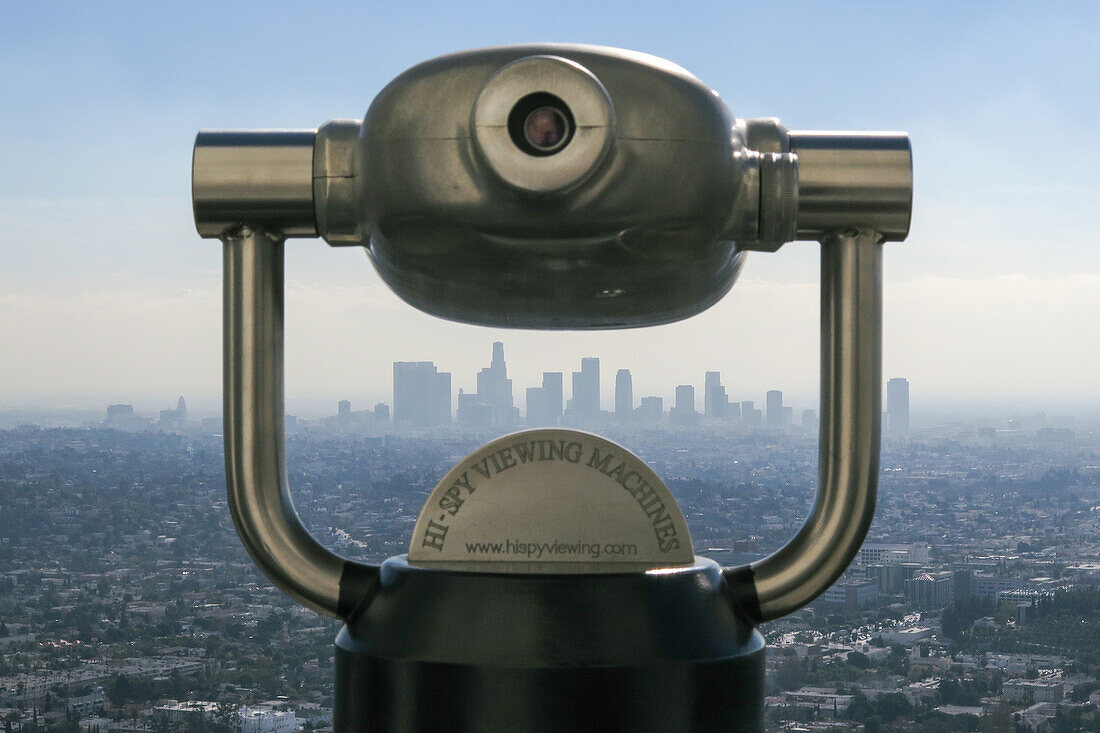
point(458, 651)
point(399, 696)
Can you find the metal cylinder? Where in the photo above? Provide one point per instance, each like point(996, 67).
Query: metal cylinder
point(851, 403)
point(255, 451)
point(853, 180)
point(445, 650)
point(262, 177)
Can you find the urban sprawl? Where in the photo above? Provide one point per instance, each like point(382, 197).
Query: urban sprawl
point(128, 604)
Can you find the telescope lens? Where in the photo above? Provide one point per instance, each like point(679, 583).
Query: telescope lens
point(540, 124)
point(545, 128)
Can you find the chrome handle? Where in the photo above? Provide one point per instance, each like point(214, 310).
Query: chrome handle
point(848, 450)
point(255, 441)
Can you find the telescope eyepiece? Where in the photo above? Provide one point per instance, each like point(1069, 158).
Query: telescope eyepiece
point(541, 124)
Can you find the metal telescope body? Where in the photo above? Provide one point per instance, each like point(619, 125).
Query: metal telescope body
point(553, 187)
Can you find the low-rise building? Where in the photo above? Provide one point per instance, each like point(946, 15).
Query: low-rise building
point(931, 591)
point(261, 719)
point(1034, 690)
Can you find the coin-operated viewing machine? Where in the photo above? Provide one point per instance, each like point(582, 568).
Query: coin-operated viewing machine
point(550, 582)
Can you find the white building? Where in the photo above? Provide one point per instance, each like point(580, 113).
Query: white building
point(907, 636)
point(986, 586)
point(878, 553)
point(265, 720)
point(852, 594)
point(180, 712)
point(1033, 690)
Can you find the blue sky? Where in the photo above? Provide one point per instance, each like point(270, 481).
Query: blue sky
point(107, 294)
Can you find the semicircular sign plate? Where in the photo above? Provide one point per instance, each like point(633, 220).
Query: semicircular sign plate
point(551, 501)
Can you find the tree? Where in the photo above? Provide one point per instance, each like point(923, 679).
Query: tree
point(898, 661)
point(859, 660)
point(120, 691)
point(950, 624)
point(161, 724)
point(227, 719)
point(892, 706)
point(789, 674)
point(860, 709)
point(948, 690)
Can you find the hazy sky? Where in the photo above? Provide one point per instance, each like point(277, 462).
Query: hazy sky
point(107, 294)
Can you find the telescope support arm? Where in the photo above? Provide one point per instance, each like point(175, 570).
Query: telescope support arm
point(255, 441)
point(848, 450)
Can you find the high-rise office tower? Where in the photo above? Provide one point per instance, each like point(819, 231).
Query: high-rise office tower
point(809, 421)
point(472, 412)
point(733, 410)
point(421, 394)
point(685, 398)
point(494, 388)
point(175, 419)
point(551, 385)
point(897, 405)
point(715, 403)
point(774, 419)
point(538, 412)
point(750, 416)
point(585, 404)
point(683, 412)
point(624, 396)
point(651, 410)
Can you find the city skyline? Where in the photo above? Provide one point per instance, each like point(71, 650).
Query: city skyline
point(422, 396)
point(494, 403)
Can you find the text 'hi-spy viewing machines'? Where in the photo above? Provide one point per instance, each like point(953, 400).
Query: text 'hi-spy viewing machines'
point(550, 582)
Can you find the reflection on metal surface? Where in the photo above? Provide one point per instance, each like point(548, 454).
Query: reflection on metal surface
point(551, 501)
point(255, 450)
point(853, 180)
point(508, 111)
point(851, 406)
point(262, 178)
point(647, 198)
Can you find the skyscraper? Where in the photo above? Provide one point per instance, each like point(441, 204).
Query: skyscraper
point(750, 416)
point(624, 396)
point(494, 388)
point(897, 405)
point(651, 410)
point(174, 419)
point(421, 394)
point(472, 412)
point(683, 412)
point(809, 421)
point(685, 398)
point(538, 412)
point(551, 385)
point(715, 402)
point(585, 404)
point(776, 415)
